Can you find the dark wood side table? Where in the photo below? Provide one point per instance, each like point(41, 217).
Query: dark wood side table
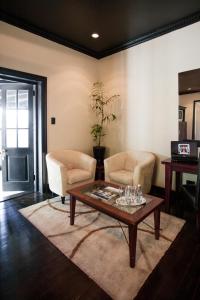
point(178, 168)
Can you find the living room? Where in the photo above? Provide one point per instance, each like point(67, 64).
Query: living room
point(146, 78)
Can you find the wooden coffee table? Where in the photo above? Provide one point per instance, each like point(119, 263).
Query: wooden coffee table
point(131, 216)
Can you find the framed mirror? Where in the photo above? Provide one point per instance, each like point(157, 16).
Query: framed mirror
point(189, 105)
point(196, 120)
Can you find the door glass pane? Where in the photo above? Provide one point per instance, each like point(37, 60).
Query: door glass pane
point(11, 99)
point(22, 99)
point(22, 118)
point(11, 138)
point(23, 138)
point(11, 112)
point(11, 119)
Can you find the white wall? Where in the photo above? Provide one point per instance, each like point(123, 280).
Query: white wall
point(146, 77)
point(70, 75)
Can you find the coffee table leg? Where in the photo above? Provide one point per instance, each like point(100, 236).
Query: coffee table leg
point(72, 209)
point(157, 223)
point(132, 229)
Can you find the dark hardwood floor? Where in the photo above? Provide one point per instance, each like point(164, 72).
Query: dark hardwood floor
point(32, 268)
point(177, 276)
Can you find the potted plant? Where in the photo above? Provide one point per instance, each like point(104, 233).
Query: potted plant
point(100, 104)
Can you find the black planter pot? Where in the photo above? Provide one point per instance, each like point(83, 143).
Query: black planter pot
point(99, 154)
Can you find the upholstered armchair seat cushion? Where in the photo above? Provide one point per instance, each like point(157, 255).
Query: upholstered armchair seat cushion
point(130, 168)
point(122, 176)
point(77, 175)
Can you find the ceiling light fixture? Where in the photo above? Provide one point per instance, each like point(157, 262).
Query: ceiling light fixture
point(95, 35)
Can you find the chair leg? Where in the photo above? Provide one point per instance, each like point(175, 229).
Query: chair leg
point(63, 199)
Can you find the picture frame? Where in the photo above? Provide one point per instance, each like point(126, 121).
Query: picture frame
point(180, 115)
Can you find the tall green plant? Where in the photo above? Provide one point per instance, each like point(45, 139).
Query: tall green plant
point(100, 104)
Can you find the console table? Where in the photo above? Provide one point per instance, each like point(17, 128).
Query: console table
point(178, 168)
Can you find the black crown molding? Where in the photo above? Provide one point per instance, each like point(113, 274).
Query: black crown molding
point(188, 20)
point(20, 23)
point(189, 92)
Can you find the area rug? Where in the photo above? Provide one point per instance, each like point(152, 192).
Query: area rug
point(97, 244)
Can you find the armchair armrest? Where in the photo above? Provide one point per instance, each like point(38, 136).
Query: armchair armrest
point(57, 175)
point(114, 163)
point(88, 163)
point(143, 174)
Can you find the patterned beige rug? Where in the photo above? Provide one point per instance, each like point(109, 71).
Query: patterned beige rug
point(97, 244)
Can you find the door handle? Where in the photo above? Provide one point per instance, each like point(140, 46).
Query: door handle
point(3, 153)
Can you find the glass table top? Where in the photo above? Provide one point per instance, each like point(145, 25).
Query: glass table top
point(111, 196)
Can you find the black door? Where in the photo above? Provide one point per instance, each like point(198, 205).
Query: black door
point(17, 137)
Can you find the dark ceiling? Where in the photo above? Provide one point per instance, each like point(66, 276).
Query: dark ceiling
point(120, 23)
point(189, 82)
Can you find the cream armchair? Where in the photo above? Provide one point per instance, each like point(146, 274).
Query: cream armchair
point(68, 169)
point(130, 168)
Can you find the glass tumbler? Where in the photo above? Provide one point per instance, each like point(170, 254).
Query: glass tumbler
point(128, 194)
point(139, 194)
point(121, 191)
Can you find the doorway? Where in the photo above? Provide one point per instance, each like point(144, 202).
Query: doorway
point(22, 133)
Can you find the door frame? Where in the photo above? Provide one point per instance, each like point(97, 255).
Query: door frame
point(40, 121)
